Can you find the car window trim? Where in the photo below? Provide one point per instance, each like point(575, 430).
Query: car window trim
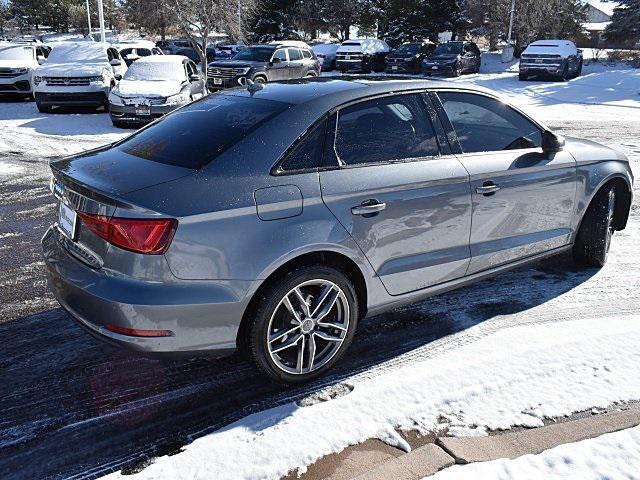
point(336, 112)
point(453, 136)
point(277, 170)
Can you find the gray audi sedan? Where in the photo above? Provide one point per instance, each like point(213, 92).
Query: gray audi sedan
point(274, 218)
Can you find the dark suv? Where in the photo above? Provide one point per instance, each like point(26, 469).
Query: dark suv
point(264, 63)
point(454, 57)
point(407, 58)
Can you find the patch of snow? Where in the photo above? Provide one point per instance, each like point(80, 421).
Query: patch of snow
point(516, 376)
point(614, 455)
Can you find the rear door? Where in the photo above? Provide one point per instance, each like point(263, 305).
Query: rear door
point(406, 206)
point(296, 65)
point(523, 198)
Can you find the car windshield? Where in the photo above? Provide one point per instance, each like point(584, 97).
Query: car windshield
point(195, 135)
point(257, 54)
point(448, 48)
point(88, 52)
point(410, 48)
point(326, 48)
point(156, 71)
point(16, 52)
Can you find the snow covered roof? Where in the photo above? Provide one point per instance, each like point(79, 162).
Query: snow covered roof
point(562, 47)
point(162, 59)
point(366, 45)
point(595, 26)
point(604, 7)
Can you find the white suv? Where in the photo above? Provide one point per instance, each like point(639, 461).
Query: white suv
point(18, 60)
point(362, 55)
point(78, 74)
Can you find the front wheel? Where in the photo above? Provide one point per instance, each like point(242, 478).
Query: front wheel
point(303, 324)
point(43, 108)
point(456, 70)
point(593, 241)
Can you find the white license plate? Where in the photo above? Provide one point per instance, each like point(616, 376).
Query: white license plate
point(143, 110)
point(434, 68)
point(394, 67)
point(67, 218)
point(217, 81)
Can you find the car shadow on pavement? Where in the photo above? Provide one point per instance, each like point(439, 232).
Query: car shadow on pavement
point(75, 406)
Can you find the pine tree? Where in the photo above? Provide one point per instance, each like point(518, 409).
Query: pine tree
point(624, 28)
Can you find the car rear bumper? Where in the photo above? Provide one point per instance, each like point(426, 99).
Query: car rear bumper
point(428, 69)
point(71, 99)
point(541, 70)
point(202, 316)
point(127, 113)
point(351, 65)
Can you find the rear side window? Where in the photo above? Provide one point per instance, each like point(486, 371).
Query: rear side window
point(383, 130)
point(306, 53)
point(195, 135)
point(307, 152)
point(294, 54)
point(484, 124)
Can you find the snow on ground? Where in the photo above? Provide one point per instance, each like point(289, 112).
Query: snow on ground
point(516, 376)
point(611, 456)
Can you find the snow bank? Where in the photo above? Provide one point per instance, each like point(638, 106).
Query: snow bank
point(517, 376)
point(615, 455)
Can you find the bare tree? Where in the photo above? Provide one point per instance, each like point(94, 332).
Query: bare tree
point(199, 19)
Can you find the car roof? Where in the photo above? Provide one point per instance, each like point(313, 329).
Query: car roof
point(330, 92)
point(162, 59)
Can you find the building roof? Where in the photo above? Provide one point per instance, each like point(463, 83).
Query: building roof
point(603, 6)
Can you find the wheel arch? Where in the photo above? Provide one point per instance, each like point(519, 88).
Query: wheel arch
point(623, 193)
point(331, 258)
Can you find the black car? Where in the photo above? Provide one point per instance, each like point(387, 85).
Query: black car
point(193, 55)
point(407, 58)
point(264, 63)
point(454, 58)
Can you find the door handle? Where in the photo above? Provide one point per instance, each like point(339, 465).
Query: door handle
point(368, 207)
point(487, 189)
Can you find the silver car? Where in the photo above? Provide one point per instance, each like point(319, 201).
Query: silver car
point(275, 218)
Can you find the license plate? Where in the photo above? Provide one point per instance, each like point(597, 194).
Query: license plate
point(434, 68)
point(143, 110)
point(67, 220)
point(217, 81)
point(394, 67)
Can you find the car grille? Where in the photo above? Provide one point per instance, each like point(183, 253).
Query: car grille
point(226, 73)
point(68, 81)
point(532, 60)
point(9, 73)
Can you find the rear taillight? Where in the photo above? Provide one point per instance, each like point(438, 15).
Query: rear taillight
point(140, 235)
point(137, 332)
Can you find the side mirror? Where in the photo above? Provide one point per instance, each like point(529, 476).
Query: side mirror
point(115, 62)
point(276, 60)
point(40, 59)
point(118, 77)
point(194, 77)
point(552, 143)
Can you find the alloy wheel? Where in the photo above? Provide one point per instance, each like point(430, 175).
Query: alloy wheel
point(308, 326)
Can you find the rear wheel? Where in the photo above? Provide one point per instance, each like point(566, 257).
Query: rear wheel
point(596, 230)
point(456, 71)
point(43, 108)
point(522, 77)
point(303, 324)
point(260, 79)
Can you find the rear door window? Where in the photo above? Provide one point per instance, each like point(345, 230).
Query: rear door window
point(484, 124)
point(195, 135)
point(294, 54)
point(386, 129)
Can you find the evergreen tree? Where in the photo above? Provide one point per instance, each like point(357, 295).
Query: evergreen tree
point(275, 21)
point(624, 28)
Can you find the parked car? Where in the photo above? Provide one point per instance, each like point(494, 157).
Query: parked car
point(557, 59)
point(226, 51)
point(362, 55)
point(171, 47)
point(274, 219)
point(78, 74)
point(407, 58)
point(264, 63)
point(454, 58)
point(154, 86)
point(194, 56)
point(18, 61)
point(131, 53)
point(326, 55)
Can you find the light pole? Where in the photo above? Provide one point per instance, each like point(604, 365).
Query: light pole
point(88, 17)
point(507, 51)
point(101, 20)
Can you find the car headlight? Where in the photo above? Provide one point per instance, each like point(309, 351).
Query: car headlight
point(21, 71)
point(243, 71)
point(115, 99)
point(182, 97)
point(97, 79)
point(37, 79)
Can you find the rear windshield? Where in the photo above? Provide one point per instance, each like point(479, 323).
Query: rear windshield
point(448, 48)
point(411, 48)
point(194, 135)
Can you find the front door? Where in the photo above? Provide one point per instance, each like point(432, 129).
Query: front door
point(523, 198)
point(407, 207)
point(278, 70)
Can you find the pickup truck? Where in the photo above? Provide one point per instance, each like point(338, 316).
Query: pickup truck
point(557, 59)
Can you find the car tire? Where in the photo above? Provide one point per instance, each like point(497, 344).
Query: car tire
point(578, 71)
point(43, 108)
point(456, 71)
point(275, 352)
point(118, 124)
point(592, 243)
point(259, 79)
point(522, 77)
point(311, 74)
point(565, 74)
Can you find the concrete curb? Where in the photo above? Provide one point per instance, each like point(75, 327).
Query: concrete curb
point(418, 463)
point(536, 440)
